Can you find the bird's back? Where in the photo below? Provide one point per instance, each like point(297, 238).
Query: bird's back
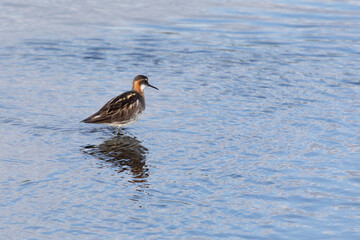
point(122, 109)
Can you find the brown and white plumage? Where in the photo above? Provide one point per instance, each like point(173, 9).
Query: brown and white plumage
point(125, 108)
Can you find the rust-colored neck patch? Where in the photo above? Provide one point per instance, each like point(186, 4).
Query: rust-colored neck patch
point(137, 87)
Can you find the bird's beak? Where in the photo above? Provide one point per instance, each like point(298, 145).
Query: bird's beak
point(152, 86)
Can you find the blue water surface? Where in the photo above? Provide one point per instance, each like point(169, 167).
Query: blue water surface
point(254, 133)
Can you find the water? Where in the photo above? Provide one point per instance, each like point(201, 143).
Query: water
point(254, 133)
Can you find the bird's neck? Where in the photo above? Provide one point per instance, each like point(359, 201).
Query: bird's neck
point(136, 87)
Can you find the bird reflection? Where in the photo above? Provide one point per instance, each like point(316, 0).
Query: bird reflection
point(122, 153)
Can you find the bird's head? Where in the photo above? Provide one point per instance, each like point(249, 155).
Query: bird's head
point(140, 82)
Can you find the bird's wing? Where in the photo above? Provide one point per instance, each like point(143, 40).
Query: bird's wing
point(118, 109)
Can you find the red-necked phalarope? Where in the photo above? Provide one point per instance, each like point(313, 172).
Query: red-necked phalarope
point(125, 108)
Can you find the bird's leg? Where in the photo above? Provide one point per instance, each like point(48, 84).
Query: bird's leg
point(118, 131)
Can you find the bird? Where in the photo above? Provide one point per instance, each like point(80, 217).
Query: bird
point(124, 109)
